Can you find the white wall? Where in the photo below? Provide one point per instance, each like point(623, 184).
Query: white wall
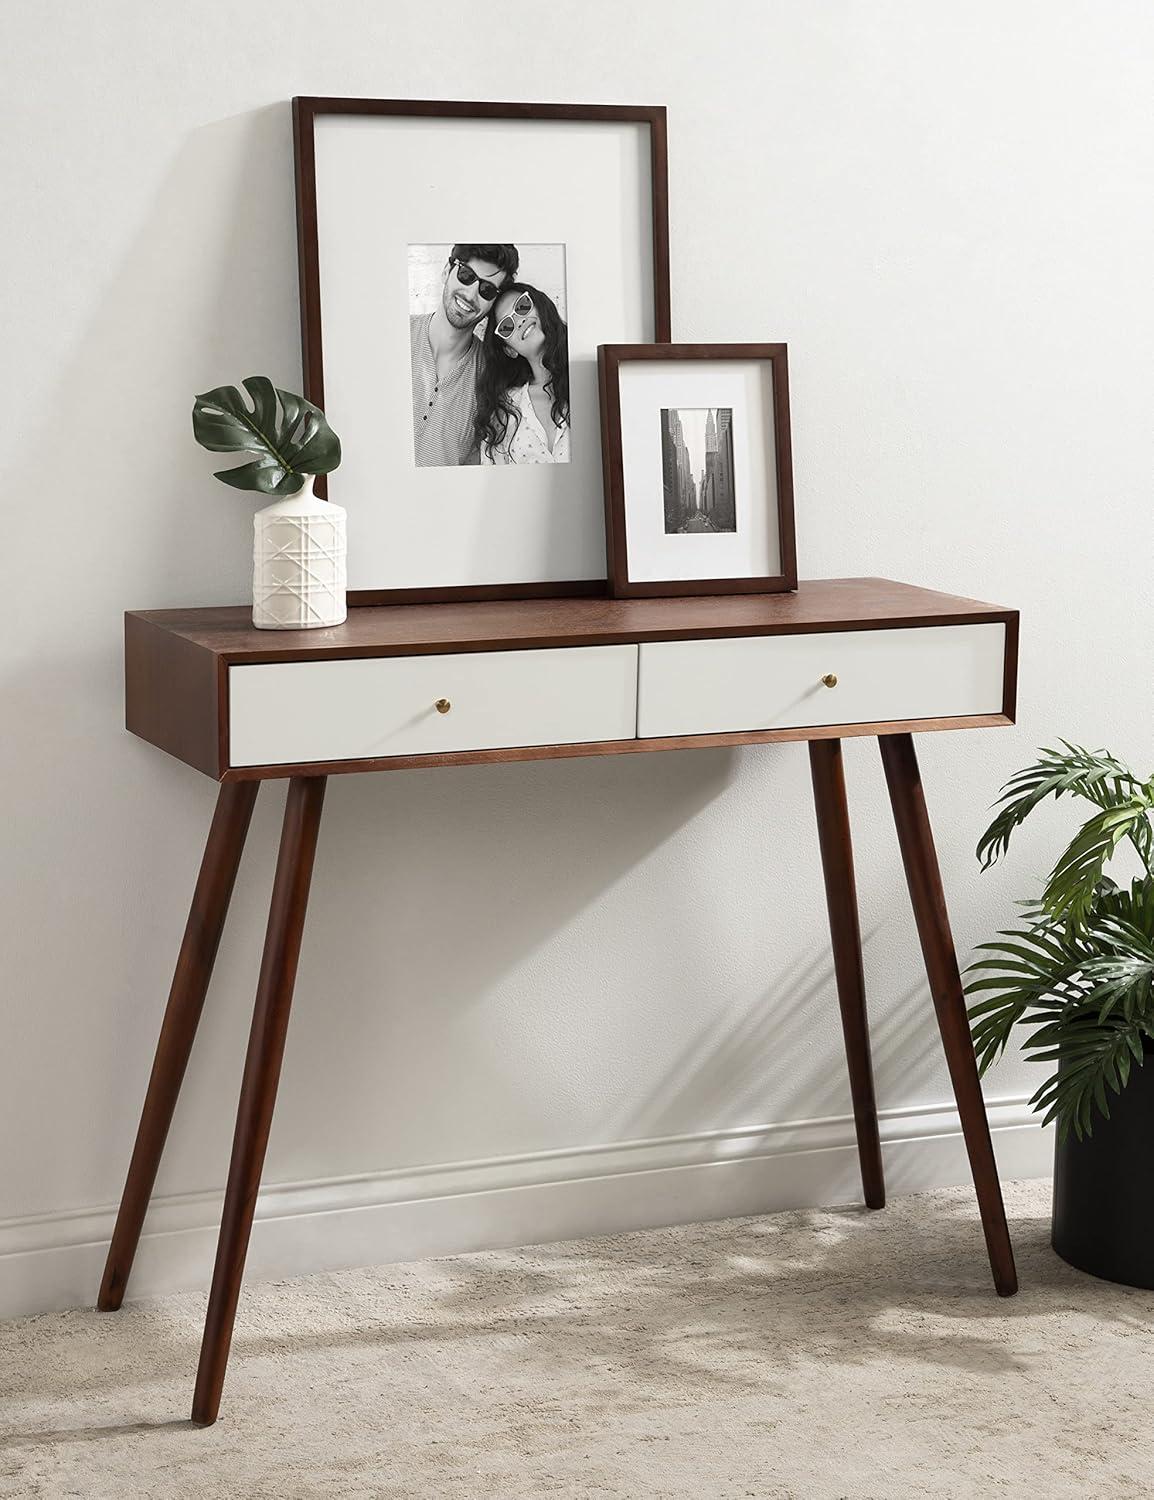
point(513, 975)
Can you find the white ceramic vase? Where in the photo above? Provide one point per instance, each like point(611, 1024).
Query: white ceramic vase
point(298, 563)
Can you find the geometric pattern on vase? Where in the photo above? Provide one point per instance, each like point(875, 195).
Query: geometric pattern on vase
point(299, 564)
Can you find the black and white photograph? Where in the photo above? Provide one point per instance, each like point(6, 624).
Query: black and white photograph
point(489, 348)
point(697, 479)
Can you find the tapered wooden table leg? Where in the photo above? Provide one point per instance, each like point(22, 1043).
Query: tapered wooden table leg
point(933, 923)
point(194, 965)
point(262, 1067)
point(826, 768)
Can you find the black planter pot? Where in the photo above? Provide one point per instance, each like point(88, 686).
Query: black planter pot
point(1103, 1216)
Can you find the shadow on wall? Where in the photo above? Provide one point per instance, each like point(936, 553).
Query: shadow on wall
point(205, 293)
point(736, 1057)
point(434, 889)
point(126, 515)
point(206, 287)
point(499, 858)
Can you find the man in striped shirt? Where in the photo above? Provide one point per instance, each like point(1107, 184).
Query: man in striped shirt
point(446, 353)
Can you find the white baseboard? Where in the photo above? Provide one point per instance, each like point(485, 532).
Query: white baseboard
point(55, 1260)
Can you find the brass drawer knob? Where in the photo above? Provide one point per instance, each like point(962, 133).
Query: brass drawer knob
point(830, 679)
point(442, 705)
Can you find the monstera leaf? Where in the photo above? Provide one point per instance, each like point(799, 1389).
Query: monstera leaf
point(289, 435)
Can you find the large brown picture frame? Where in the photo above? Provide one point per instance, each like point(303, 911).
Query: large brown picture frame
point(306, 111)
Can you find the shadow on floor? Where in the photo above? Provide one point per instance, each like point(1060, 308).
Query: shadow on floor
point(735, 1305)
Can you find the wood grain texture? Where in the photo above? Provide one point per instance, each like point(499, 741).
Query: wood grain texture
point(1010, 702)
point(612, 747)
point(194, 965)
point(836, 844)
point(929, 903)
point(412, 629)
point(172, 693)
point(308, 260)
point(262, 1068)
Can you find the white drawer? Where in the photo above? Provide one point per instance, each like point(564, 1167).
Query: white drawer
point(286, 712)
point(775, 682)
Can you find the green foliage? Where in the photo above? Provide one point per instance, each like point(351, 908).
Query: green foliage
point(1078, 970)
point(289, 436)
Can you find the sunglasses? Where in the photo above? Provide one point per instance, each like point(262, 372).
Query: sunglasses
point(466, 276)
point(508, 324)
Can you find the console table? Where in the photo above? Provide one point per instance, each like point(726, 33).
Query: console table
point(456, 684)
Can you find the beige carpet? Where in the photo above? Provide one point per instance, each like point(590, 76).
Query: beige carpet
point(809, 1355)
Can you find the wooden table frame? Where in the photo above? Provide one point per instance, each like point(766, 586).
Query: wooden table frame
point(298, 842)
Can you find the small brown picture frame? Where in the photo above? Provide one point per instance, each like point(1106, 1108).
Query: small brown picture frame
point(655, 505)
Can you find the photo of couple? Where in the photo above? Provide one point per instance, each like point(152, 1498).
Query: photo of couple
point(490, 354)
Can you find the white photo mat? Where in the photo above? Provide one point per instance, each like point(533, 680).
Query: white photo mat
point(386, 182)
point(754, 550)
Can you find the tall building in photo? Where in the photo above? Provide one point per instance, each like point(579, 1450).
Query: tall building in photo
point(724, 515)
point(677, 485)
point(669, 486)
point(685, 497)
point(709, 484)
point(709, 480)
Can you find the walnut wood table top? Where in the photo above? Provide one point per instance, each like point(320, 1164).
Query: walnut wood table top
point(227, 632)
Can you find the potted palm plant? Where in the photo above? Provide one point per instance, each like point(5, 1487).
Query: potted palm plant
point(1077, 974)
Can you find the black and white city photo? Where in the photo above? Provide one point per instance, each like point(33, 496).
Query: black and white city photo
point(490, 354)
point(697, 470)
